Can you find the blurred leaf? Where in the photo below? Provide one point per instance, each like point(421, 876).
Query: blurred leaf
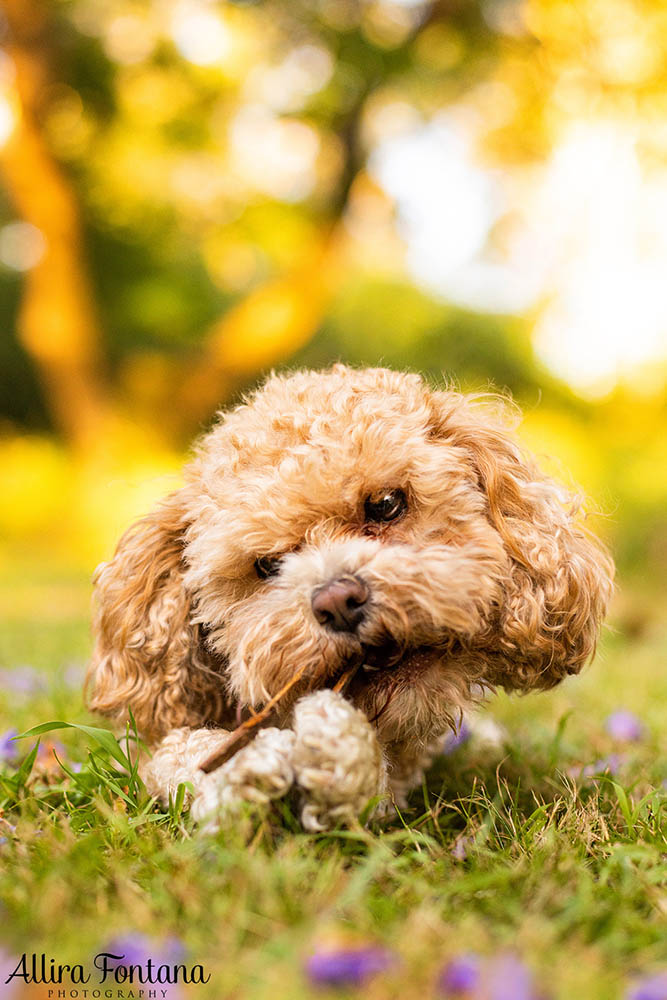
point(103, 737)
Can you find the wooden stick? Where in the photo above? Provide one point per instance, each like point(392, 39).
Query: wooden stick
point(344, 679)
point(243, 734)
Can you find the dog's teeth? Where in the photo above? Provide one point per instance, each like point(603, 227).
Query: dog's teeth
point(369, 668)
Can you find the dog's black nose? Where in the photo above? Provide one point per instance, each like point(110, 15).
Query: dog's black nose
point(341, 604)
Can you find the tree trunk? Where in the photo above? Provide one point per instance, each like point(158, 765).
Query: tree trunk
point(57, 321)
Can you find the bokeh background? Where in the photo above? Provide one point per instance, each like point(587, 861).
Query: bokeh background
point(193, 192)
point(196, 192)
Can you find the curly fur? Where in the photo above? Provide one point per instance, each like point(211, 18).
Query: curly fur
point(331, 757)
point(490, 578)
point(260, 772)
point(337, 760)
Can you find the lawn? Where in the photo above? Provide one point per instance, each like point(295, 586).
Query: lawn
point(545, 845)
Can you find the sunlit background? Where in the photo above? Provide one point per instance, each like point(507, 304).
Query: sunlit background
point(196, 192)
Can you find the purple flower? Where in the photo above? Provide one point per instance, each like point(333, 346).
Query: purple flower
point(460, 847)
point(8, 964)
point(509, 979)
point(172, 951)
point(132, 949)
point(501, 978)
point(137, 949)
point(456, 737)
point(6, 830)
point(612, 764)
point(625, 726)
point(460, 976)
point(347, 966)
point(9, 748)
point(22, 680)
point(650, 988)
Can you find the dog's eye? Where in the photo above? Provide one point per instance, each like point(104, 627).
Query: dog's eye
point(385, 505)
point(267, 566)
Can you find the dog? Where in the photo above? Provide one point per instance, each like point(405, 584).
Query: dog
point(334, 518)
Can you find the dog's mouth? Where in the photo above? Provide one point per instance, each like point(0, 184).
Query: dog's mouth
point(382, 666)
point(389, 656)
point(376, 674)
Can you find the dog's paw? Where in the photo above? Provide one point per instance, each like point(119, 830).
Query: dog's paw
point(260, 772)
point(176, 760)
point(336, 758)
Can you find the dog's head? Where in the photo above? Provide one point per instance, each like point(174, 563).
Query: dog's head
point(349, 517)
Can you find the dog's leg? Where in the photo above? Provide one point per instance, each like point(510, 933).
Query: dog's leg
point(405, 769)
point(176, 760)
point(406, 766)
point(260, 772)
point(337, 760)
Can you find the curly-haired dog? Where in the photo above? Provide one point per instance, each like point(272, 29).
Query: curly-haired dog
point(339, 516)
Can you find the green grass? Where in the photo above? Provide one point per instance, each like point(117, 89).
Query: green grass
point(568, 872)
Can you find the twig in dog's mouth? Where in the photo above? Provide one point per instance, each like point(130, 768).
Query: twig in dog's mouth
point(241, 736)
point(379, 657)
point(245, 731)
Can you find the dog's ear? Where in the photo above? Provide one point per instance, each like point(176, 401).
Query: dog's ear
point(148, 655)
point(561, 576)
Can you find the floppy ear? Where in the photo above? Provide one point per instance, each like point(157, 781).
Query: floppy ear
point(561, 576)
point(148, 655)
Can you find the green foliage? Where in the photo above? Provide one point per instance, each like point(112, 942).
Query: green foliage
point(502, 848)
point(375, 322)
point(183, 221)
